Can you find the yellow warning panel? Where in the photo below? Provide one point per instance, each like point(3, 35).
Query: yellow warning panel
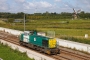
point(52, 43)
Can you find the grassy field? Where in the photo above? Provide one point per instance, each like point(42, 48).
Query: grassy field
point(6, 53)
point(2, 22)
point(63, 28)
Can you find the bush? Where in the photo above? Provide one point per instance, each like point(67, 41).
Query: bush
point(10, 20)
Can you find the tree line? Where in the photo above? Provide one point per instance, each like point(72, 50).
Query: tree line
point(46, 15)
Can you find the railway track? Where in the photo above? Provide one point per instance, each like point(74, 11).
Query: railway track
point(75, 55)
point(9, 37)
point(65, 54)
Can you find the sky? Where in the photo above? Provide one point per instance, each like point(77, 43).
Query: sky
point(41, 6)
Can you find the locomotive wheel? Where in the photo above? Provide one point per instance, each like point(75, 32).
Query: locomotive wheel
point(48, 52)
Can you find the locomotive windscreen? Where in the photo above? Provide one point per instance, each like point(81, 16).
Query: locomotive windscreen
point(45, 43)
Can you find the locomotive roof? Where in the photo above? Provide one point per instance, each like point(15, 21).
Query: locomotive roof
point(44, 37)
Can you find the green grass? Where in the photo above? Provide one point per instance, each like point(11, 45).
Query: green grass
point(6, 53)
point(2, 22)
point(68, 32)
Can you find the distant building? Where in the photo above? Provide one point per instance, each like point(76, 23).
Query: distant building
point(18, 20)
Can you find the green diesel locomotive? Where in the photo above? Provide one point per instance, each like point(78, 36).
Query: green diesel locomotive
point(40, 43)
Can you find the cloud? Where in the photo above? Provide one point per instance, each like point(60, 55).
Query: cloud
point(39, 6)
point(83, 5)
point(30, 6)
point(44, 4)
point(3, 5)
point(24, 6)
point(20, 1)
point(57, 0)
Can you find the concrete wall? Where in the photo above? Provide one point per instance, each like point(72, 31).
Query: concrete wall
point(74, 45)
point(14, 32)
point(30, 53)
